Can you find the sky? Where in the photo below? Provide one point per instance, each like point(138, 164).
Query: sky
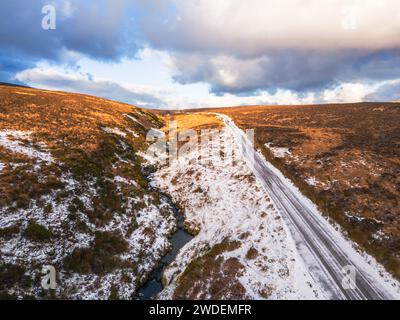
point(202, 53)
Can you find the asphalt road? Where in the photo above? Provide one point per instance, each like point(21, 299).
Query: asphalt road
point(331, 260)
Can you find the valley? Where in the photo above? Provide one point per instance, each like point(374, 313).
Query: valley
point(80, 191)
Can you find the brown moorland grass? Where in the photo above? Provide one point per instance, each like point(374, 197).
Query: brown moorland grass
point(190, 121)
point(72, 126)
point(92, 141)
point(186, 122)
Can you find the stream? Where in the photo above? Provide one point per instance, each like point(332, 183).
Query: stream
point(153, 285)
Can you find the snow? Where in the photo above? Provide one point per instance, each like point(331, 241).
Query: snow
point(21, 250)
point(116, 131)
point(162, 225)
point(371, 268)
point(360, 219)
point(222, 201)
point(148, 241)
point(119, 179)
point(372, 272)
point(133, 133)
point(133, 119)
point(13, 140)
point(311, 181)
point(380, 235)
point(154, 156)
point(145, 250)
point(278, 152)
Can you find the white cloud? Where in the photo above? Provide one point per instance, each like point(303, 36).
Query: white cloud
point(68, 8)
point(176, 96)
point(348, 92)
point(125, 82)
point(254, 27)
point(54, 78)
point(227, 100)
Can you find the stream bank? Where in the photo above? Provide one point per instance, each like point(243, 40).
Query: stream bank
point(153, 285)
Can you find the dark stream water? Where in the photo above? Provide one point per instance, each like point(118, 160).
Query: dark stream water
point(153, 285)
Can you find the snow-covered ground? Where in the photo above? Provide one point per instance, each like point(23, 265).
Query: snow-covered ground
point(278, 152)
point(19, 142)
point(322, 246)
point(146, 223)
point(133, 119)
point(224, 203)
point(114, 131)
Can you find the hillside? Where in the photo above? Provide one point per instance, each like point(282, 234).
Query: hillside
point(73, 195)
point(345, 158)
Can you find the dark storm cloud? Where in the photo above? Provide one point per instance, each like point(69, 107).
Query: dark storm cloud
point(300, 71)
point(93, 28)
point(9, 66)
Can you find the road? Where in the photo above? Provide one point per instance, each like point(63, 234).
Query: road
point(330, 259)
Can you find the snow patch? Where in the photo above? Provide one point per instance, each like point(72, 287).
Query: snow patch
point(133, 133)
point(133, 119)
point(21, 142)
point(311, 181)
point(116, 131)
point(119, 179)
point(278, 152)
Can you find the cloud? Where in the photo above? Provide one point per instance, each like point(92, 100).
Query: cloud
point(228, 100)
point(95, 29)
point(76, 82)
point(386, 92)
point(342, 93)
point(242, 47)
point(197, 96)
point(234, 47)
point(92, 28)
point(10, 65)
point(255, 27)
point(299, 71)
point(347, 92)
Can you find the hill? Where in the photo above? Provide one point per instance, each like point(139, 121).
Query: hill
point(74, 196)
